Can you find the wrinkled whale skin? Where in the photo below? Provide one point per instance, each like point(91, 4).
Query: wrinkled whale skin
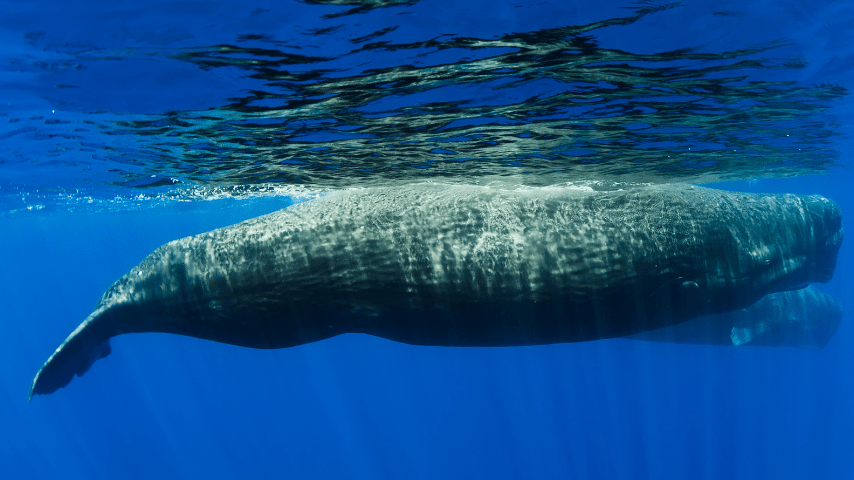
point(806, 318)
point(458, 265)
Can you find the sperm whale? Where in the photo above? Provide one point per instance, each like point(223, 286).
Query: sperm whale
point(461, 265)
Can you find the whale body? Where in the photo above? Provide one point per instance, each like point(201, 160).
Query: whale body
point(459, 265)
point(806, 318)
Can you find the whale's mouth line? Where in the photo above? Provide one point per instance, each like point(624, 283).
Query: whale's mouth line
point(793, 288)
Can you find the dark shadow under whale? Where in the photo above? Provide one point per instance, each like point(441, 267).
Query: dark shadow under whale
point(458, 265)
point(805, 318)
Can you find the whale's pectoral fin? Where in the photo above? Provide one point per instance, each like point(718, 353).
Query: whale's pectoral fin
point(74, 357)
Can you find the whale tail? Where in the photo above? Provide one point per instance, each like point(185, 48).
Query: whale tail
point(74, 357)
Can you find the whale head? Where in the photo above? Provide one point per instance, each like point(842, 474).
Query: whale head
point(757, 244)
point(808, 243)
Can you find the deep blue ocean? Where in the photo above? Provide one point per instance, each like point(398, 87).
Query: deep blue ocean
point(124, 125)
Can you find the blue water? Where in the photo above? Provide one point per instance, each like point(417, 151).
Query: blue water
point(127, 125)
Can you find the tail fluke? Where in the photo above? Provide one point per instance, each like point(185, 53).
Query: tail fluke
point(74, 357)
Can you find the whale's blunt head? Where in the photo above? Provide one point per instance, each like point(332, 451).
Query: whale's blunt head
point(806, 318)
point(809, 240)
point(812, 317)
point(826, 222)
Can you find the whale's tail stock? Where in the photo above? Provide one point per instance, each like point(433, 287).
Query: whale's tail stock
point(74, 357)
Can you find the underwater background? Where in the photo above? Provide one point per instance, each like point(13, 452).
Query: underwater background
point(124, 125)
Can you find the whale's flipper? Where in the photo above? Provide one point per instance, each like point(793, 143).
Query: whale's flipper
point(74, 357)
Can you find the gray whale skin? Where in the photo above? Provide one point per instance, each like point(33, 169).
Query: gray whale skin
point(459, 265)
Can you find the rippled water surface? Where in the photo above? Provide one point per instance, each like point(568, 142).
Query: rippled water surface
point(186, 101)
